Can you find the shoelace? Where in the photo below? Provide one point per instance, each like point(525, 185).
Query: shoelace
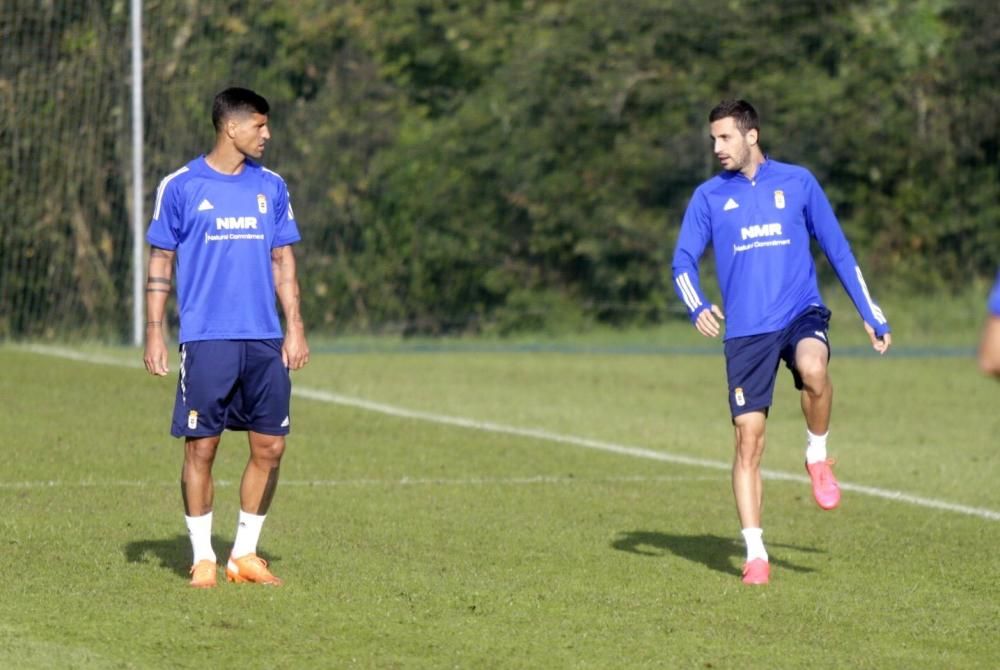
point(202, 569)
point(258, 562)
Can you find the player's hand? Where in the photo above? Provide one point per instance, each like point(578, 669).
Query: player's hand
point(295, 350)
point(879, 344)
point(155, 356)
point(707, 323)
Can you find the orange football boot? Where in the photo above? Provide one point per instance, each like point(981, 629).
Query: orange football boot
point(250, 568)
point(203, 574)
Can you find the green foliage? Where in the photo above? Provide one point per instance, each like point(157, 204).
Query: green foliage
point(457, 166)
point(554, 155)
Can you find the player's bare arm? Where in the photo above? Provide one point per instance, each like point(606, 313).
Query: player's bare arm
point(295, 351)
point(989, 347)
point(158, 282)
point(879, 344)
point(707, 323)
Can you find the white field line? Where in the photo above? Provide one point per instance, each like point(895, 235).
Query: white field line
point(560, 438)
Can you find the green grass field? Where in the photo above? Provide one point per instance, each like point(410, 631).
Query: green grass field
point(505, 509)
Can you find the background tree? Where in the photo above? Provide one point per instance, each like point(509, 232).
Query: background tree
point(501, 165)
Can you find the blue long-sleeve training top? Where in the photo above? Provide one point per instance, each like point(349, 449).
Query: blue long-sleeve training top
point(760, 230)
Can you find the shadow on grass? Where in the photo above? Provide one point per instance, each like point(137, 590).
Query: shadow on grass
point(174, 553)
point(710, 550)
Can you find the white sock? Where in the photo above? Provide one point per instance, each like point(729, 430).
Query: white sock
point(815, 447)
point(247, 534)
point(755, 543)
point(200, 532)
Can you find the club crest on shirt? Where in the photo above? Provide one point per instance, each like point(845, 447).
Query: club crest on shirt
point(779, 199)
point(738, 396)
point(261, 203)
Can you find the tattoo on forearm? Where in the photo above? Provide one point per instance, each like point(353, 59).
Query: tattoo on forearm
point(154, 324)
point(269, 487)
point(154, 284)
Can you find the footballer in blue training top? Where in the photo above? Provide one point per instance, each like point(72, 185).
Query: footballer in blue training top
point(225, 224)
point(760, 216)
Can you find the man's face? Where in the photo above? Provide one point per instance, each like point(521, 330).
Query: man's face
point(731, 147)
point(250, 133)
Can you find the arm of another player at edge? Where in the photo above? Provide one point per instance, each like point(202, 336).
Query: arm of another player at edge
point(989, 347)
point(158, 277)
point(295, 350)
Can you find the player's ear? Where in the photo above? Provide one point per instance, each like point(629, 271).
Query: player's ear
point(752, 136)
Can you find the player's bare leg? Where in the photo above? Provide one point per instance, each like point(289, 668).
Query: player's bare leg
point(198, 491)
point(749, 492)
point(260, 479)
point(811, 357)
point(197, 487)
point(817, 392)
point(749, 430)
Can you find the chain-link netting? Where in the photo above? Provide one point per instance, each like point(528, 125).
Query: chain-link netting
point(64, 263)
point(66, 151)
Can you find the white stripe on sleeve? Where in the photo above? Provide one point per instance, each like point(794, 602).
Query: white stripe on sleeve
point(876, 310)
point(691, 298)
point(162, 188)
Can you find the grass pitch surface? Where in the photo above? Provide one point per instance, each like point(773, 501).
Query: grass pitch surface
point(431, 530)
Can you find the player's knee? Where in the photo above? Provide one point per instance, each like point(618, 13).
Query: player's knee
point(749, 445)
point(270, 449)
point(200, 451)
point(812, 370)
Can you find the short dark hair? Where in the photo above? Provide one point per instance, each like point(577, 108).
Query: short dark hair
point(742, 112)
point(236, 101)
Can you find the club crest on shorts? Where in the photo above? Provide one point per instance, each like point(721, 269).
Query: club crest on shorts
point(779, 199)
point(193, 419)
point(738, 396)
point(261, 203)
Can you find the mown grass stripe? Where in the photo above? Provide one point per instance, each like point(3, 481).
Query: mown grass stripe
point(549, 436)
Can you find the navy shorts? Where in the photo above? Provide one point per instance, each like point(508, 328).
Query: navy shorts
point(234, 384)
point(752, 361)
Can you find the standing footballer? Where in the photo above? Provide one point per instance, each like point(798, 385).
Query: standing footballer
point(227, 223)
point(760, 215)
